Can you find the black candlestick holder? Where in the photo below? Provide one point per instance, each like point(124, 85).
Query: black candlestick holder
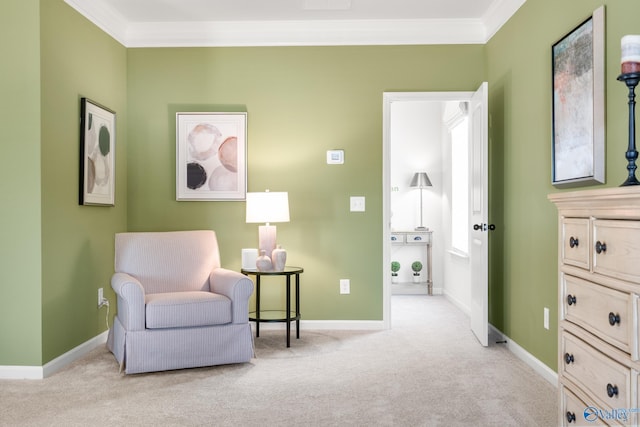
point(631, 80)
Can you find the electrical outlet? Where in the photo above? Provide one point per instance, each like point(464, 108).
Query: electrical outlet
point(102, 301)
point(546, 318)
point(345, 286)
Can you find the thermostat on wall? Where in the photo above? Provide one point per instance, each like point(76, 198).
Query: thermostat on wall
point(335, 157)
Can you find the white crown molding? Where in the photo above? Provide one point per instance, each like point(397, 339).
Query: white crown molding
point(296, 33)
point(103, 16)
point(498, 14)
point(305, 33)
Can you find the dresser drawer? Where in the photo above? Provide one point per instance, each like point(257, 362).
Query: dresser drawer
point(606, 380)
point(419, 238)
point(575, 242)
point(574, 412)
point(397, 238)
point(602, 311)
point(616, 249)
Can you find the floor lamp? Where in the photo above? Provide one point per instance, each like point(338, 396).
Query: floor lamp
point(420, 180)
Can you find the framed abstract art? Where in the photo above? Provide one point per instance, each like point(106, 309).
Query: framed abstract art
point(579, 105)
point(97, 154)
point(211, 156)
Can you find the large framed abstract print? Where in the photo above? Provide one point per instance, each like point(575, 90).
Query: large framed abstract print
point(97, 154)
point(579, 105)
point(211, 156)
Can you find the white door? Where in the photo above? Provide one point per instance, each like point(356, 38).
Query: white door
point(478, 204)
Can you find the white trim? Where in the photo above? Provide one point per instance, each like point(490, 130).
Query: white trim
point(20, 372)
point(498, 14)
point(103, 16)
point(296, 33)
point(305, 33)
point(57, 364)
point(543, 370)
point(455, 301)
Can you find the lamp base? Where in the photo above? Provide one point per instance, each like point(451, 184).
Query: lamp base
point(267, 239)
point(421, 228)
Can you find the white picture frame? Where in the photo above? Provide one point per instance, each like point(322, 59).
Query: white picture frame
point(211, 152)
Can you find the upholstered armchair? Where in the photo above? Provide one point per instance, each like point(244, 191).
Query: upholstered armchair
point(177, 308)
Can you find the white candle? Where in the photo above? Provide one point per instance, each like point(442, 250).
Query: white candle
point(249, 257)
point(630, 60)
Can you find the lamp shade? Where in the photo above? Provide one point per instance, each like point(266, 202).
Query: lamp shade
point(270, 206)
point(420, 180)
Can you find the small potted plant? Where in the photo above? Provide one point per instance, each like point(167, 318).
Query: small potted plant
point(395, 267)
point(416, 266)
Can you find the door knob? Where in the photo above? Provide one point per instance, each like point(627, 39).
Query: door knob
point(484, 227)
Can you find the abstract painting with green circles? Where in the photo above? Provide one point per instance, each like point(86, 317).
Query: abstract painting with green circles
point(211, 156)
point(97, 154)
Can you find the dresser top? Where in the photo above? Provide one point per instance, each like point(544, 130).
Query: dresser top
point(617, 198)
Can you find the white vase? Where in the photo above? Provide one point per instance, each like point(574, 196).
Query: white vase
point(394, 279)
point(263, 263)
point(279, 258)
point(416, 279)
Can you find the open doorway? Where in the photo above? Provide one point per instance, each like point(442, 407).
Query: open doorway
point(417, 135)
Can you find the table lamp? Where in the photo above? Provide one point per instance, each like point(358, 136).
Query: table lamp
point(267, 207)
point(420, 180)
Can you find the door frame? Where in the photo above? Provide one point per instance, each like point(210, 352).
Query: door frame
point(389, 98)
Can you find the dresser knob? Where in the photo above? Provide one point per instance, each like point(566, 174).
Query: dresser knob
point(601, 247)
point(612, 390)
point(571, 417)
point(613, 319)
point(568, 358)
point(571, 299)
point(573, 242)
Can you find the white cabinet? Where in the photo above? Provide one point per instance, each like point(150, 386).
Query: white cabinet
point(421, 239)
point(599, 308)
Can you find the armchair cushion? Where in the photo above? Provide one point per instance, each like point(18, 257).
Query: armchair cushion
point(187, 309)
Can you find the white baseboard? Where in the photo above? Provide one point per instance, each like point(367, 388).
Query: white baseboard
point(60, 362)
point(522, 354)
point(455, 301)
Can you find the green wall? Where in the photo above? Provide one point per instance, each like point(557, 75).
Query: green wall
point(54, 254)
point(524, 252)
point(301, 101)
point(78, 60)
point(20, 246)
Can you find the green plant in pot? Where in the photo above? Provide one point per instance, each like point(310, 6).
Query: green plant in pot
point(395, 267)
point(416, 266)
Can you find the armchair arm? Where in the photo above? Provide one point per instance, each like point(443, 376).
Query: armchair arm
point(130, 293)
point(237, 287)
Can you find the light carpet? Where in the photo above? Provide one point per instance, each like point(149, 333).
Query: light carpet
point(428, 370)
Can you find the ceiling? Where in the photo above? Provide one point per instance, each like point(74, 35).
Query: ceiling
point(155, 23)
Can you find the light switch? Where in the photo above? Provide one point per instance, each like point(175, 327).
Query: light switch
point(357, 204)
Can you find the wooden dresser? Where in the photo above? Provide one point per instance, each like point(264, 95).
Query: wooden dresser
point(599, 288)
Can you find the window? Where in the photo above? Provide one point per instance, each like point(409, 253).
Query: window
point(460, 186)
